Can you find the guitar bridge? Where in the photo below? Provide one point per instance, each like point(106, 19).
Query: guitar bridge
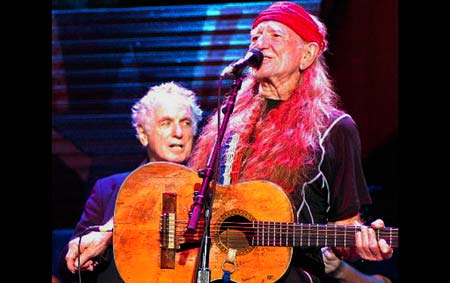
point(168, 230)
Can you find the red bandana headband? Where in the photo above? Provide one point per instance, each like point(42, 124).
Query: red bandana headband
point(295, 17)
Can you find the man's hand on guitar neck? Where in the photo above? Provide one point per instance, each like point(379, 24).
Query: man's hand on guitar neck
point(367, 246)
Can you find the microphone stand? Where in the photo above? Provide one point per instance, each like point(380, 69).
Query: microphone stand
point(203, 273)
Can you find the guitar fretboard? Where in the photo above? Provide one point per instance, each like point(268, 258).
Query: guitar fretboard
point(313, 235)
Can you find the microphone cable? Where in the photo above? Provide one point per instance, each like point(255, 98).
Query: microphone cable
point(79, 255)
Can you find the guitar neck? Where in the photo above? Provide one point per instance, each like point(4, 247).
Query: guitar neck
point(312, 235)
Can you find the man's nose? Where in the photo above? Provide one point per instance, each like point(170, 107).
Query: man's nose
point(261, 43)
point(177, 131)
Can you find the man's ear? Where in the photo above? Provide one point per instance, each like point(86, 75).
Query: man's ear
point(142, 135)
point(311, 50)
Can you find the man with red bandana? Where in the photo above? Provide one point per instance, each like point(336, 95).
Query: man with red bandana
point(165, 120)
point(286, 128)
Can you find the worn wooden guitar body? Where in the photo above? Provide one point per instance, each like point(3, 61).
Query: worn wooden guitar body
point(252, 219)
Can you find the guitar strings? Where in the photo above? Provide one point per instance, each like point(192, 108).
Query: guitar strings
point(282, 234)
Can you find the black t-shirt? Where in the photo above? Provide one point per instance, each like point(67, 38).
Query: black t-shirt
point(335, 190)
point(341, 178)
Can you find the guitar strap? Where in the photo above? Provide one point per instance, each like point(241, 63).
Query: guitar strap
point(229, 163)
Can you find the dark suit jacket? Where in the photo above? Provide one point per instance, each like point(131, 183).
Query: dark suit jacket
point(98, 210)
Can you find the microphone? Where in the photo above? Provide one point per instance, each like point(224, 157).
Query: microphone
point(253, 58)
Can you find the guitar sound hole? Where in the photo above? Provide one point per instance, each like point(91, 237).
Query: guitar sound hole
point(235, 232)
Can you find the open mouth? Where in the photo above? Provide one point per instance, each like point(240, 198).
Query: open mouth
point(176, 146)
point(266, 59)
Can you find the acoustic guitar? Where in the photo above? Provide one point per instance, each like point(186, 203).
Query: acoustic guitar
point(252, 229)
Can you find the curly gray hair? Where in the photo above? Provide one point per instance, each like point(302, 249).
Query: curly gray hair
point(165, 91)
